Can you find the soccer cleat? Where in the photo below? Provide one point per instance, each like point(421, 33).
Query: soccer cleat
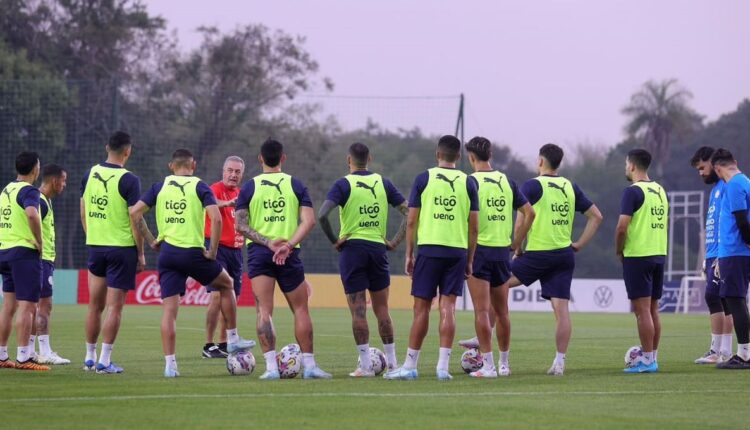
point(242, 345)
point(89, 365)
point(557, 369)
point(316, 373)
point(642, 367)
point(484, 373)
point(401, 374)
point(111, 369)
point(213, 351)
point(223, 348)
point(270, 375)
point(734, 363)
point(503, 369)
point(7, 364)
point(710, 357)
point(469, 343)
point(443, 375)
point(171, 373)
point(52, 358)
point(362, 373)
point(31, 365)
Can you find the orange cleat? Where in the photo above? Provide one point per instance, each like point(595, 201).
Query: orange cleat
point(7, 364)
point(30, 365)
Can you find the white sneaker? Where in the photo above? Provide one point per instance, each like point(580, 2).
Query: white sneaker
point(503, 369)
point(472, 343)
point(362, 373)
point(709, 357)
point(52, 358)
point(484, 373)
point(557, 369)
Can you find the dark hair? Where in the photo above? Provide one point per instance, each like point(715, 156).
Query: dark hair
point(553, 154)
point(182, 157)
point(449, 148)
point(722, 157)
point(703, 153)
point(640, 157)
point(359, 153)
point(25, 162)
point(119, 141)
point(50, 171)
point(480, 147)
point(271, 150)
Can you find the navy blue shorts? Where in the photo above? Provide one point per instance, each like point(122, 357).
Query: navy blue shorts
point(289, 276)
point(433, 274)
point(643, 276)
point(713, 284)
point(491, 265)
point(48, 270)
point(231, 260)
point(22, 277)
point(116, 263)
point(177, 264)
point(735, 275)
point(553, 270)
point(364, 266)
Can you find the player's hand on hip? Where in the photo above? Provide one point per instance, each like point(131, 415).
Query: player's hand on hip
point(575, 246)
point(37, 245)
point(390, 246)
point(619, 256)
point(339, 245)
point(409, 265)
point(156, 245)
point(209, 255)
point(469, 269)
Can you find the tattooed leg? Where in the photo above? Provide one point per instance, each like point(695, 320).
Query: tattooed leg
point(358, 307)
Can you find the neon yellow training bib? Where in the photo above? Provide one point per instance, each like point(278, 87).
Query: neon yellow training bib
point(444, 216)
point(365, 214)
point(647, 231)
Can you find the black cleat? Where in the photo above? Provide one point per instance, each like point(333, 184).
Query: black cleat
point(213, 351)
point(223, 348)
point(734, 363)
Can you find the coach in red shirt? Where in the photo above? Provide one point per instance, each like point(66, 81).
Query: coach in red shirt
point(230, 251)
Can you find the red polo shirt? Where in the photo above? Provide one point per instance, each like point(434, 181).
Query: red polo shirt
point(229, 237)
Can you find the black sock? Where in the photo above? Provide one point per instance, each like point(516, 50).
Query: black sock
point(738, 307)
point(208, 345)
point(223, 345)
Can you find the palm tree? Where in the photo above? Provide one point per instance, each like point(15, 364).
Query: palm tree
point(657, 112)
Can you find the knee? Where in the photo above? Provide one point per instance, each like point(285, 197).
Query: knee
point(713, 301)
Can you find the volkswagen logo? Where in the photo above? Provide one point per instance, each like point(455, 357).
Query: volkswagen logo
point(603, 296)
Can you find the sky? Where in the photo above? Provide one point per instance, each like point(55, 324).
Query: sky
point(531, 71)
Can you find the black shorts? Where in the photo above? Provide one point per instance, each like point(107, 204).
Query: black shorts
point(117, 264)
point(491, 265)
point(364, 266)
point(231, 260)
point(735, 276)
point(23, 278)
point(177, 264)
point(643, 276)
point(553, 269)
point(289, 276)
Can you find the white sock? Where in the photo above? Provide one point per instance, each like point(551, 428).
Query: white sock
point(44, 346)
point(504, 357)
point(444, 359)
point(560, 358)
point(271, 363)
point(3, 353)
point(726, 344)
point(656, 355)
point(32, 344)
point(412, 358)
point(90, 352)
point(232, 336)
point(364, 356)
point(648, 357)
point(716, 342)
point(171, 361)
point(22, 354)
point(106, 354)
point(390, 355)
point(743, 350)
point(488, 360)
point(308, 360)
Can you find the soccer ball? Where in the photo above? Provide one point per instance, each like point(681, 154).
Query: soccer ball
point(289, 360)
point(633, 355)
point(377, 358)
point(240, 363)
point(471, 360)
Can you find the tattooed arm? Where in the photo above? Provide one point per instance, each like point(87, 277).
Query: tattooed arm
point(136, 218)
point(401, 234)
point(242, 226)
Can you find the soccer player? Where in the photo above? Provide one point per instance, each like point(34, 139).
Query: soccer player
point(182, 202)
point(230, 251)
point(550, 255)
point(274, 212)
point(498, 197)
point(443, 220)
point(108, 190)
point(720, 316)
point(734, 252)
point(21, 246)
point(54, 180)
point(364, 197)
point(641, 246)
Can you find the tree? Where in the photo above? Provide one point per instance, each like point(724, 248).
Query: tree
point(657, 113)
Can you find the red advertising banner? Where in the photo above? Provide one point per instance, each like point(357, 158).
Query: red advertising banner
point(148, 292)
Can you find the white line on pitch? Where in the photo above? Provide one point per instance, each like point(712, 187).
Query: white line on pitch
point(472, 394)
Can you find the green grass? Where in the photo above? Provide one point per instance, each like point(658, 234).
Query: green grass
point(593, 393)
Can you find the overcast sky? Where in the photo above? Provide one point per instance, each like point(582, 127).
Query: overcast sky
point(531, 71)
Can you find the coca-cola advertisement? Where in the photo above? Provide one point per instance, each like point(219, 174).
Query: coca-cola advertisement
point(148, 292)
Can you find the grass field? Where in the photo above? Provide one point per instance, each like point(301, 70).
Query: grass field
point(593, 393)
